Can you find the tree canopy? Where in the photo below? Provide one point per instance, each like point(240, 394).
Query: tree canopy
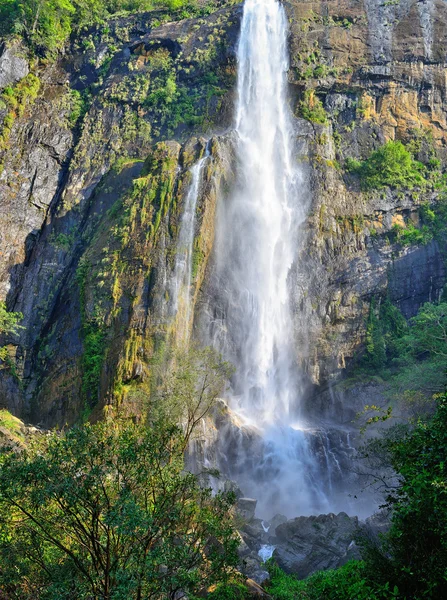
point(46, 24)
point(106, 512)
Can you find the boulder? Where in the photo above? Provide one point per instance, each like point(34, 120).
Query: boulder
point(255, 590)
point(275, 522)
point(246, 508)
point(308, 544)
point(13, 66)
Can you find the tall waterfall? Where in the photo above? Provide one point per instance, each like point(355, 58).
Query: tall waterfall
point(257, 228)
point(257, 237)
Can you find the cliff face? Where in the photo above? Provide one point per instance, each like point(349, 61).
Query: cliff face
point(379, 70)
point(91, 193)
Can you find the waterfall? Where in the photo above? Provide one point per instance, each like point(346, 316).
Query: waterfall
point(257, 239)
point(181, 281)
point(257, 229)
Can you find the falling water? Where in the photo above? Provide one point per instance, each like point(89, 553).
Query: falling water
point(257, 237)
point(258, 230)
point(181, 280)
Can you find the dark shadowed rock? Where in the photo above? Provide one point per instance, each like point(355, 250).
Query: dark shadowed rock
point(309, 544)
point(275, 522)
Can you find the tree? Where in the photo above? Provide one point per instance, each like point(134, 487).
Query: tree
point(106, 512)
point(413, 555)
point(189, 387)
point(47, 24)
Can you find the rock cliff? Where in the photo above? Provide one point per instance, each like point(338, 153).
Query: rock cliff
point(95, 169)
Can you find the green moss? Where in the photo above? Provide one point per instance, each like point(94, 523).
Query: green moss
point(79, 105)
point(94, 341)
point(10, 422)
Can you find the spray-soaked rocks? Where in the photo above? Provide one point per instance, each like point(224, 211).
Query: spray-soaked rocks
point(308, 544)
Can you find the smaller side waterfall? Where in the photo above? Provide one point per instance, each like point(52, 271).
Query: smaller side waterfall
point(180, 293)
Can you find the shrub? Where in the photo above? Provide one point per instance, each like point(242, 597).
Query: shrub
point(346, 583)
point(312, 109)
point(392, 165)
point(414, 553)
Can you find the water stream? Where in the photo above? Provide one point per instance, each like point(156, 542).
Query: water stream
point(289, 465)
point(180, 293)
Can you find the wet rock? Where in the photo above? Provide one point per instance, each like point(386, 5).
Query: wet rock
point(246, 508)
point(275, 522)
point(243, 549)
point(255, 590)
point(309, 544)
point(378, 523)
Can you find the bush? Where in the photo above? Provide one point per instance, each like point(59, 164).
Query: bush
point(411, 235)
point(414, 553)
point(346, 583)
point(9, 324)
point(312, 109)
point(46, 25)
point(392, 165)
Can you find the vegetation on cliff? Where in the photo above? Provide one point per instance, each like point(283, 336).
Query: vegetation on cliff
point(9, 324)
point(412, 356)
point(391, 165)
point(45, 25)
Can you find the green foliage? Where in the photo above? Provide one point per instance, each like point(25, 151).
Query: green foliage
point(391, 165)
point(45, 25)
point(15, 100)
point(349, 582)
point(8, 421)
point(411, 235)
point(189, 386)
point(108, 512)
point(94, 340)
point(9, 324)
point(385, 325)
point(63, 241)
point(414, 553)
point(79, 104)
point(410, 357)
point(375, 344)
point(312, 109)
point(9, 321)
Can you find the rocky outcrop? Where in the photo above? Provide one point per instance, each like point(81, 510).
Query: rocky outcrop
point(379, 71)
point(305, 545)
point(13, 64)
point(309, 544)
point(57, 184)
